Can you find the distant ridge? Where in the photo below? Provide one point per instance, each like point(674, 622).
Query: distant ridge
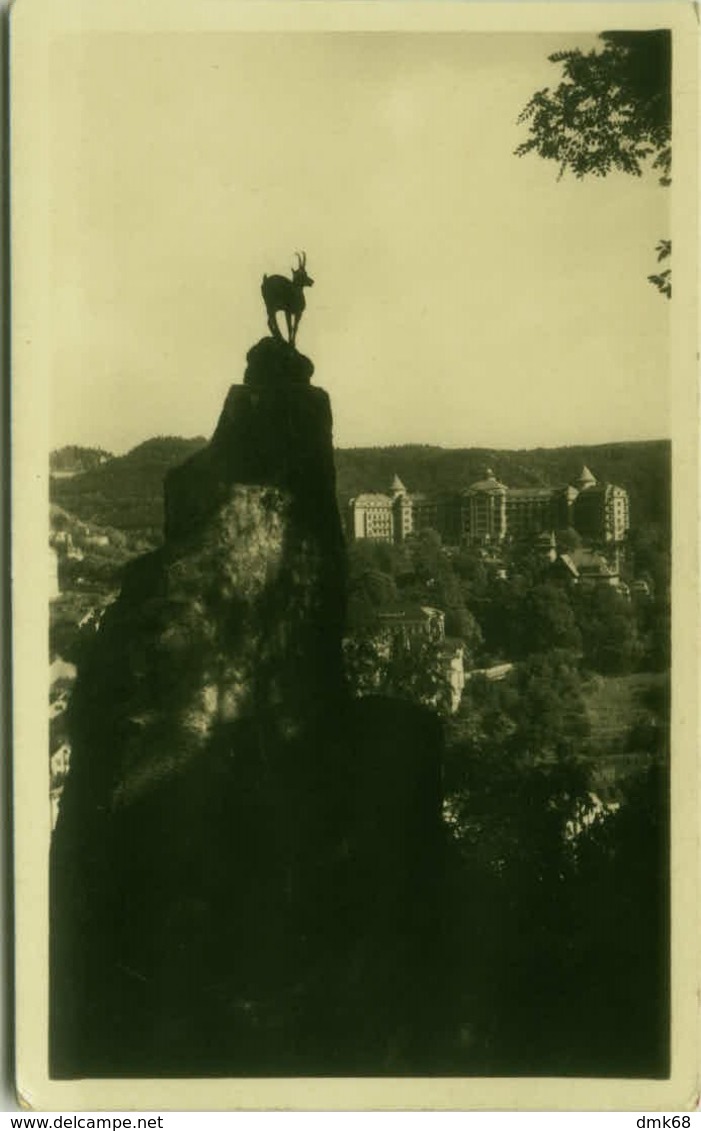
point(642, 467)
point(73, 460)
point(126, 491)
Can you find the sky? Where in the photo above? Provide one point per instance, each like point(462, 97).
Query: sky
point(463, 296)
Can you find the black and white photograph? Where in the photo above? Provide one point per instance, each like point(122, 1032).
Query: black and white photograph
point(353, 404)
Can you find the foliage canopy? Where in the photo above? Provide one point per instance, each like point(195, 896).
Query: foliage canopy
point(612, 109)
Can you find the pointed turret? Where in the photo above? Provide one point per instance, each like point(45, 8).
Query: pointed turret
point(585, 479)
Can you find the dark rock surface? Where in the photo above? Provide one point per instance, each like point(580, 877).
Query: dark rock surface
point(245, 873)
point(274, 362)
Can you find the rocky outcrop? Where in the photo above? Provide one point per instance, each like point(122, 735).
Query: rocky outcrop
point(239, 846)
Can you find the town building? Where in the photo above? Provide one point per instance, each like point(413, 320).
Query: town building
point(484, 511)
point(586, 567)
point(382, 518)
point(452, 653)
point(404, 626)
point(488, 513)
point(601, 511)
point(406, 623)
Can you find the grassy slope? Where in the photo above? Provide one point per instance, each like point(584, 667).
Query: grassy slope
point(614, 704)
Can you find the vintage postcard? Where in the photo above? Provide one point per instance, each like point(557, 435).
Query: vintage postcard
point(355, 554)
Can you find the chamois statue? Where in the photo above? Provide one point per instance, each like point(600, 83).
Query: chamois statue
point(287, 295)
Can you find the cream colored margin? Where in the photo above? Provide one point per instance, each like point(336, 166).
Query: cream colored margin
point(34, 23)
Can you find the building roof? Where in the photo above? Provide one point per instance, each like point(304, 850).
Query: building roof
point(397, 484)
point(371, 497)
point(589, 562)
point(566, 561)
point(490, 483)
point(405, 613)
point(595, 489)
point(530, 492)
point(585, 478)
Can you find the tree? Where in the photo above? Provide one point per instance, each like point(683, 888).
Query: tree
point(663, 279)
point(607, 623)
point(612, 110)
point(522, 619)
point(377, 587)
point(460, 622)
point(525, 560)
point(425, 550)
point(650, 553)
point(471, 570)
point(548, 621)
point(371, 583)
point(511, 793)
point(567, 540)
point(378, 665)
point(386, 557)
point(552, 718)
point(622, 910)
point(535, 715)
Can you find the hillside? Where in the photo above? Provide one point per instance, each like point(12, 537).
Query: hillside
point(126, 492)
point(642, 467)
point(619, 706)
point(73, 460)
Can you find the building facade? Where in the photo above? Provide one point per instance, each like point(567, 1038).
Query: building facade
point(382, 518)
point(401, 627)
point(487, 513)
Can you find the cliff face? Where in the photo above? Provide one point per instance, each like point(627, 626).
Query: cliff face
point(211, 863)
point(238, 616)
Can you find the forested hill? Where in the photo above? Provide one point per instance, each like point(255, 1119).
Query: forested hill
point(126, 491)
point(72, 460)
point(642, 467)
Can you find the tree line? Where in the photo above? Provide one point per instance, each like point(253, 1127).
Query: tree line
point(127, 491)
point(516, 607)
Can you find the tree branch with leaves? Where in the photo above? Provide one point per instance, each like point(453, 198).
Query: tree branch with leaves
point(611, 111)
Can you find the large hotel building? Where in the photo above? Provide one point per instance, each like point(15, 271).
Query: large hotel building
point(487, 512)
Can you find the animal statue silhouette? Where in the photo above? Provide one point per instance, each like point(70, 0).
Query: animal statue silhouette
point(286, 295)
